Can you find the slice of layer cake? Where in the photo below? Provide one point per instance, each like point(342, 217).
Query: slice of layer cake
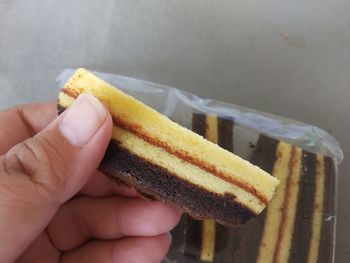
point(166, 161)
point(297, 225)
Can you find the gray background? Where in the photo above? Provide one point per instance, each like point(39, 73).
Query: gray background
point(290, 57)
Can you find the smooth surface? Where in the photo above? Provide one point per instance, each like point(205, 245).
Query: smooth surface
point(290, 58)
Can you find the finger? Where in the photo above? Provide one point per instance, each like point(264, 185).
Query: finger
point(109, 218)
point(43, 172)
point(128, 250)
point(101, 185)
point(22, 122)
point(40, 251)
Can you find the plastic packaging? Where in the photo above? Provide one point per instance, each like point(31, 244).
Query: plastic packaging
point(299, 224)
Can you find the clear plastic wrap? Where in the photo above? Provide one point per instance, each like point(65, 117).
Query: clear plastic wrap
point(299, 224)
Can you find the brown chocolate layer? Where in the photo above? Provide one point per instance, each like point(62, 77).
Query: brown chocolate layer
point(193, 237)
point(325, 252)
point(224, 244)
point(303, 218)
point(225, 132)
point(178, 234)
point(158, 182)
point(199, 123)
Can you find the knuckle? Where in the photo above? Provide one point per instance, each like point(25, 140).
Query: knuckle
point(39, 160)
point(21, 160)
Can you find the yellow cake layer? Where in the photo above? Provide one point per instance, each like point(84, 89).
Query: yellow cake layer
point(273, 219)
point(177, 140)
point(208, 240)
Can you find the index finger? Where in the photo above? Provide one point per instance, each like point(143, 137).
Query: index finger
point(22, 122)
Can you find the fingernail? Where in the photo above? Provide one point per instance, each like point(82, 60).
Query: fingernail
point(82, 120)
point(169, 237)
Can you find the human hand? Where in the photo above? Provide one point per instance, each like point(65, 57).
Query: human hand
point(56, 207)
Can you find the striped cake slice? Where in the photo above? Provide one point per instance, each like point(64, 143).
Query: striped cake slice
point(166, 161)
point(297, 225)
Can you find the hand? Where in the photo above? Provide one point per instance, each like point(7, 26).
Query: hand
point(56, 207)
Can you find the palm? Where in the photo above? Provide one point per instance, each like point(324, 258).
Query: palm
point(105, 223)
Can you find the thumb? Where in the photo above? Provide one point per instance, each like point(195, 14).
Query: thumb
point(43, 172)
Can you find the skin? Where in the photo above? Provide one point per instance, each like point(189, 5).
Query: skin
point(56, 207)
